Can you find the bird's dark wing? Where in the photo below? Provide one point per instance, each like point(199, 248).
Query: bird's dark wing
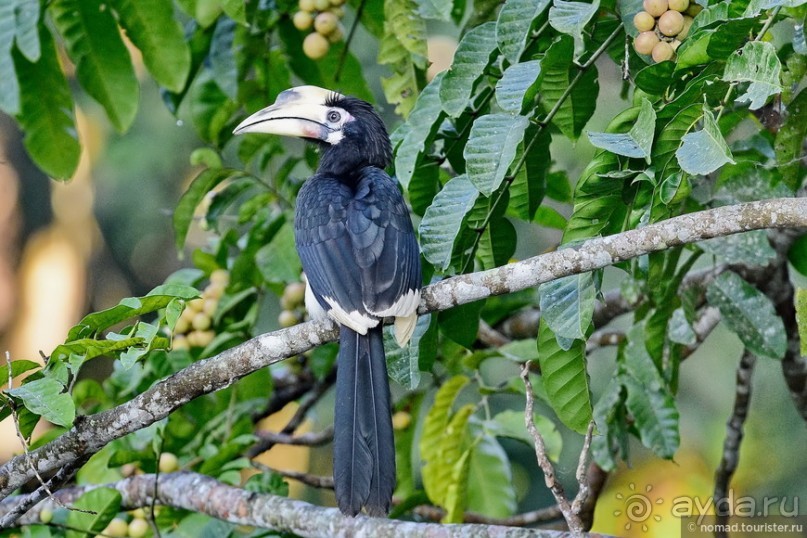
point(357, 245)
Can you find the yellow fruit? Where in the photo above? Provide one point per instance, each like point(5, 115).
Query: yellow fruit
point(655, 7)
point(322, 5)
point(401, 420)
point(294, 293)
point(220, 276)
point(168, 462)
point(287, 318)
point(201, 322)
point(671, 23)
point(307, 5)
point(645, 42)
point(315, 46)
point(685, 30)
point(302, 20)
point(675, 44)
point(210, 307)
point(644, 21)
point(117, 528)
point(203, 338)
point(338, 11)
point(138, 528)
point(662, 51)
point(337, 34)
point(214, 290)
point(694, 9)
point(46, 515)
point(679, 5)
point(182, 324)
point(196, 304)
point(325, 23)
point(180, 342)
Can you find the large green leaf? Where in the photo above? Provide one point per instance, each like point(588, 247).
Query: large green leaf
point(48, 398)
point(103, 66)
point(704, 151)
point(277, 260)
point(97, 508)
point(669, 139)
point(455, 497)
point(491, 147)
point(598, 203)
point(404, 364)
point(518, 86)
point(9, 86)
point(789, 140)
point(199, 187)
point(612, 438)
point(511, 424)
point(749, 248)
point(513, 26)
point(421, 123)
point(407, 25)
point(758, 64)
point(635, 143)
point(47, 117)
point(567, 305)
point(556, 76)
point(750, 314)
point(437, 419)
point(442, 221)
point(151, 26)
point(565, 380)
point(19, 366)
point(497, 244)
point(571, 18)
point(529, 185)
point(26, 21)
point(490, 479)
point(473, 55)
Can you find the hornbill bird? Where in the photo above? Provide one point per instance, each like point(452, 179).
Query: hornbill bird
point(360, 256)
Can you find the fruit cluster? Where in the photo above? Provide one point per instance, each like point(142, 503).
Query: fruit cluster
point(292, 304)
point(662, 26)
point(324, 16)
point(193, 326)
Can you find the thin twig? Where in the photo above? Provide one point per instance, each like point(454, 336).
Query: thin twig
point(306, 439)
point(315, 481)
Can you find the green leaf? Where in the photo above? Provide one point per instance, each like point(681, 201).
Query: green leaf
point(758, 64)
point(611, 426)
point(435, 9)
point(704, 151)
point(490, 479)
point(491, 147)
point(567, 305)
point(473, 55)
point(103, 66)
point(649, 400)
point(457, 489)
point(749, 248)
point(576, 108)
point(47, 117)
point(436, 421)
point(47, 397)
point(789, 140)
point(404, 363)
point(669, 141)
point(564, 377)
point(98, 507)
point(513, 26)
point(497, 244)
point(235, 9)
point(19, 366)
point(518, 86)
point(635, 143)
point(797, 255)
point(438, 471)
point(750, 314)
point(9, 85)
point(407, 25)
point(801, 318)
point(152, 28)
point(443, 220)
point(679, 329)
point(211, 110)
point(655, 79)
point(598, 203)
point(530, 183)
point(222, 56)
point(26, 20)
point(423, 119)
point(461, 323)
point(571, 18)
point(277, 261)
point(549, 217)
point(199, 187)
point(511, 424)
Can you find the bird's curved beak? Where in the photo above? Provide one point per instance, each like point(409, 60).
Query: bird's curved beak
point(300, 111)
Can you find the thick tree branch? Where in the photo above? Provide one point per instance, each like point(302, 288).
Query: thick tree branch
point(91, 433)
point(200, 493)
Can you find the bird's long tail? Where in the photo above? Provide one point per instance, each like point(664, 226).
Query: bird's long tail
point(363, 445)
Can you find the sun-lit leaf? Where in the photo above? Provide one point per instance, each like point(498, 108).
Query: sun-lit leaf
point(19, 366)
point(635, 143)
point(47, 398)
point(518, 87)
point(491, 147)
point(758, 64)
point(801, 318)
point(152, 28)
point(407, 24)
point(565, 380)
point(704, 151)
point(571, 18)
point(567, 305)
point(443, 220)
point(473, 55)
point(47, 118)
point(749, 248)
point(513, 26)
point(750, 314)
point(455, 496)
point(103, 65)
point(437, 419)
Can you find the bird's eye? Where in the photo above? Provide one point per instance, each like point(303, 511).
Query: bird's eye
point(334, 116)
